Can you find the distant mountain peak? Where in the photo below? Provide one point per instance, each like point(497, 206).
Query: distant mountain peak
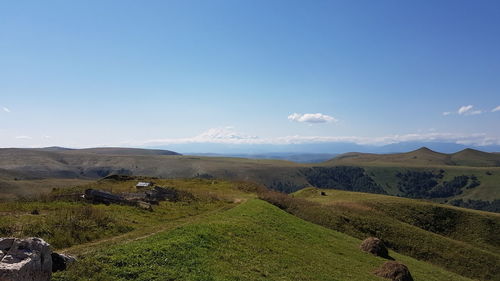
point(424, 149)
point(469, 150)
point(53, 149)
point(57, 148)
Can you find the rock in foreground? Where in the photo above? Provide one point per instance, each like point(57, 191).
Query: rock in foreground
point(61, 261)
point(25, 259)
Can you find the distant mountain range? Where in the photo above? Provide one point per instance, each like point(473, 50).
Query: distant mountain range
point(108, 151)
point(318, 148)
point(288, 156)
point(23, 171)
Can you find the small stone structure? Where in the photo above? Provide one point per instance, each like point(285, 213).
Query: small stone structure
point(142, 200)
point(25, 259)
point(162, 194)
point(99, 196)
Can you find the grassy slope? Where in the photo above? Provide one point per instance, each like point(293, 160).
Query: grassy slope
point(471, 157)
point(383, 168)
point(64, 224)
point(421, 157)
point(29, 164)
point(11, 189)
point(462, 240)
point(385, 176)
point(253, 241)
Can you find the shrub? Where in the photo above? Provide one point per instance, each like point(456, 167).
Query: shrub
point(72, 226)
point(343, 178)
point(489, 206)
point(425, 184)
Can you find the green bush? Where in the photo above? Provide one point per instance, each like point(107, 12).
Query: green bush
point(65, 225)
point(343, 178)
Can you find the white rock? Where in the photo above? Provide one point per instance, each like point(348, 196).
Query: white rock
point(25, 260)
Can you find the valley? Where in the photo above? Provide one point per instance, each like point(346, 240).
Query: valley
point(467, 178)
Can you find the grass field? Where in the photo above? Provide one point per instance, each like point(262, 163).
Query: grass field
point(67, 223)
point(13, 189)
point(224, 234)
point(253, 241)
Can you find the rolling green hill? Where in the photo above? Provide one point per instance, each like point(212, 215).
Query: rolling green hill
point(471, 157)
point(420, 157)
point(463, 241)
point(253, 241)
point(226, 233)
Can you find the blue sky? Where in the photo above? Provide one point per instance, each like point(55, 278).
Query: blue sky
point(141, 73)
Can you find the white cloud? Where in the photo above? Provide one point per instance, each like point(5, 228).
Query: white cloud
point(464, 109)
point(311, 118)
point(222, 134)
point(228, 135)
point(468, 110)
point(5, 109)
point(446, 113)
point(496, 109)
point(23, 137)
point(214, 135)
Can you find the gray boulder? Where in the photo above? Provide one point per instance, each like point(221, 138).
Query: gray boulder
point(25, 259)
point(61, 261)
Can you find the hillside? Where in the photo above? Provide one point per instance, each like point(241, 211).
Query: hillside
point(225, 233)
point(108, 151)
point(455, 222)
point(472, 157)
point(253, 241)
point(96, 163)
point(463, 241)
point(397, 172)
point(17, 166)
point(417, 174)
point(419, 157)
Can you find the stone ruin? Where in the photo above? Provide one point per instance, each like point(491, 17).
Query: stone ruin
point(140, 199)
point(99, 196)
point(29, 259)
